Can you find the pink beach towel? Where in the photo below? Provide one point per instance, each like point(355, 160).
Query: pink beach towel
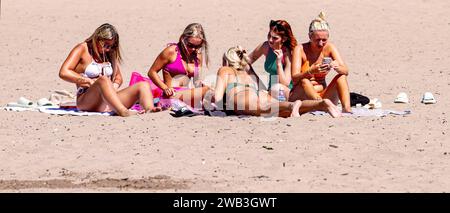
point(156, 91)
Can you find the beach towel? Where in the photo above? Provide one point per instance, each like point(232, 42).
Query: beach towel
point(363, 112)
point(72, 111)
point(57, 111)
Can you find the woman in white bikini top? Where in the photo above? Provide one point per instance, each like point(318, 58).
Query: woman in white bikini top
point(94, 70)
point(99, 81)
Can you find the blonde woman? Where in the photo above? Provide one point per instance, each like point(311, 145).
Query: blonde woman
point(180, 62)
point(312, 61)
point(236, 89)
point(94, 66)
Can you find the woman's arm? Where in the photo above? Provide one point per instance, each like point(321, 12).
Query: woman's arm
point(284, 74)
point(296, 67)
point(297, 61)
point(200, 77)
point(67, 71)
point(221, 83)
point(162, 60)
point(338, 64)
point(118, 80)
point(257, 52)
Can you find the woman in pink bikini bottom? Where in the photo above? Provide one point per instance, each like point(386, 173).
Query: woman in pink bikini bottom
point(180, 62)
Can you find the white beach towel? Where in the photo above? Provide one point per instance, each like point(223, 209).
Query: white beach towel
point(72, 111)
point(57, 111)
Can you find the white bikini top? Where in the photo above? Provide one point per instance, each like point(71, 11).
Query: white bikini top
point(94, 69)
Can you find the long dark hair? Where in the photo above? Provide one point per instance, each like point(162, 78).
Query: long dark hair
point(282, 28)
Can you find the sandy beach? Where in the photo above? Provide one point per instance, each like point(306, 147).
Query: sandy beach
point(390, 47)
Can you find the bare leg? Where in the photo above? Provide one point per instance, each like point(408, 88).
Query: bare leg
point(339, 88)
point(139, 91)
point(297, 93)
point(270, 106)
point(322, 105)
point(193, 96)
point(296, 109)
point(309, 90)
point(100, 92)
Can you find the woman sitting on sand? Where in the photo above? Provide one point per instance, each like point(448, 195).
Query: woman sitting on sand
point(312, 61)
point(180, 62)
point(236, 90)
point(277, 50)
point(94, 66)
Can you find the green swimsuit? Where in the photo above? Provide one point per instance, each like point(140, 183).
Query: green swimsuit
point(270, 65)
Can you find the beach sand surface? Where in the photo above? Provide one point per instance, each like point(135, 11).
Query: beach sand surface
point(390, 47)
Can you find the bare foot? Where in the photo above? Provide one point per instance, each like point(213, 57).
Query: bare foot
point(126, 113)
point(153, 109)
point(331, 108)
point(347, 110)
point(296, 108)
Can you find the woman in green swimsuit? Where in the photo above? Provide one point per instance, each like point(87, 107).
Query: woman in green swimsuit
point(278, 51)
point(236, 89)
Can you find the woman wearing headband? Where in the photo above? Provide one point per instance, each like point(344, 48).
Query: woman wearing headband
point(312, 61)
point(94, 66)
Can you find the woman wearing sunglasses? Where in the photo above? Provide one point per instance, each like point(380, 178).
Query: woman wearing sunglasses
point(277, 50)
point(312, 61)
point(94, 66)
point(237, 91)
point(180, 62)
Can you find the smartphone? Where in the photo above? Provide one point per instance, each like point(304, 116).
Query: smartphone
point(327, 60)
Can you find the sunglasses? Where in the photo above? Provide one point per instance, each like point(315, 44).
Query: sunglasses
point(192, 46)
point(277, 24)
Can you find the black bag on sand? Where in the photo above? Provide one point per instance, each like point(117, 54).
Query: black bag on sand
point(356, 98)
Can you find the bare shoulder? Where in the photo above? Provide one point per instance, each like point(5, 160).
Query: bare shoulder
point(81, 47)
point(169, 51)
point(265, 46)
point(298, 48)
point(224, 70)
point(330, 47)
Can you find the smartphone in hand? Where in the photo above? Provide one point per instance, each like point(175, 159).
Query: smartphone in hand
point(327, 60)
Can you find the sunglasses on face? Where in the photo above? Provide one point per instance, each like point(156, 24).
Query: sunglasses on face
point(193, 46)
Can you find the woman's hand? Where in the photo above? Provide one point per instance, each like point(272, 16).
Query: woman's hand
point(279, 54)
point(85, 82)
point(169, 91)
point(334, 65)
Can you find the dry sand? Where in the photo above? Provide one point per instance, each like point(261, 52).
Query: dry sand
point(390, 47)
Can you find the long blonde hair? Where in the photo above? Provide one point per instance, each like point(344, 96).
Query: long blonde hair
point(195, 30)
point(105, 32)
